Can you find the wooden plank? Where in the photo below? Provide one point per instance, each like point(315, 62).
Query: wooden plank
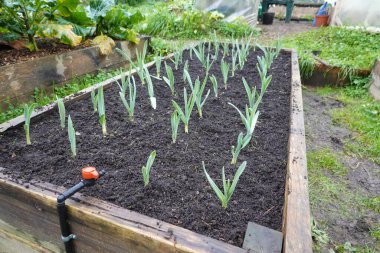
point(99, 225)
point(18, 81)
point(296, 221)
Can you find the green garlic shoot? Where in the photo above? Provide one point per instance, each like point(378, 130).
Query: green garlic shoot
point(234, 64)
point(72, 138)
point(187, 77)
point(251, 93)
point(208, 64)
point(249, 119)
point(146, 169)
point(141, 74)
point(200, 53)
point(174, 123)
point(28, 111)
point(226, 48)
point(130, 103)
point(185, 68)
point(224, 66)
point(214, 85)
point(94, 100)
point(158, 61)
point(198, 91)
point(242, 142)
point(170, 79)
point(102, 110)
point(228, 187)
point(189, 105)
point(177, 59)
point(140, 60)
point(62, 112)
point(152, 98)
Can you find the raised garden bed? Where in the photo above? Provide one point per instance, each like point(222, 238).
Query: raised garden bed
point(272, 190)
point(19, 81)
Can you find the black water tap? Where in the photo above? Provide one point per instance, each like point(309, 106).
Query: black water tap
point(89, 177)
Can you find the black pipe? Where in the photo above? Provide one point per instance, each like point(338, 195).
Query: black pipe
point(66, 235)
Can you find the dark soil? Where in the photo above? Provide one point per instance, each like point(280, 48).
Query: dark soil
point(9, 55)
point(178, 192)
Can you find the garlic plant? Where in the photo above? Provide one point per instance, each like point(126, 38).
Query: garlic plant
point(94, 100)
point(224, 66)
point(177, 58)
point(174, 123)
point(28, 110)
point(252, 95)
point(226, 47)
point(242, 142)
point(72, 137)
point(249, 119)
point(214, 85)
point(130, 103)
point(200, 53)
point(208, 64)
point(146, 169)
point(189, 105)
point(62, 112)
point(149, 82)
point(228, 187)
point(185, 68)
point(102, 110)
point(198, 91)
point(158, 61)
point(234, 65)
point(170, 79)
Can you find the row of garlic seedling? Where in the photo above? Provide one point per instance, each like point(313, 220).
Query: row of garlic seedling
point(249, 118)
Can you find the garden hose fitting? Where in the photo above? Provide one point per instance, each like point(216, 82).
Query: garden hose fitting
point(89, 177)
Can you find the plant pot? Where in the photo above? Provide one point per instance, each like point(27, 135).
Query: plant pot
point(268, 18)
point(321, 20)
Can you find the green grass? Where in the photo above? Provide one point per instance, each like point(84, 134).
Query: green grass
point(350, 49)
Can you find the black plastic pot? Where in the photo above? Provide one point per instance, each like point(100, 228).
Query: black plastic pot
point(268, 18)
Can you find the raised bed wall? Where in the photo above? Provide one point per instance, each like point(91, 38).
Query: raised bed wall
point(18, 81)
point(28, 212)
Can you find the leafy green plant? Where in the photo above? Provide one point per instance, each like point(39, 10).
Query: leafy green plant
point(228, 186)
point(224, 66)
point(62, 112)
point(234, 64)
point(25, 19)
point(208, 64)
point(149, 82)
point(102, 110)
point(177, 58)
point(146, 169)
point(174, 123)
point(226, 47)
point(170, 79)
point(28, 110)
point(214, 85)
point(72, 137)
point(252, 95)
point(158, 61)
point(198, 90)
point(185, 69)
point(242, 142)
point(188, 108)
point(130, 106)
point(94, 100)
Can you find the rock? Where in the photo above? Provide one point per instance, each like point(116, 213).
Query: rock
point(374, 88)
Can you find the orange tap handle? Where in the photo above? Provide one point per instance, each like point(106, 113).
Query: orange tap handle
point(90, 173)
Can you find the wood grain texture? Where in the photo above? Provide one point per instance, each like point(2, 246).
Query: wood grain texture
point(18, 81)
point(99, 225)
point(296, 221)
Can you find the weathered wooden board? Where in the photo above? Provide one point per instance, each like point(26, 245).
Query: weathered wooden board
point(18, 81)
point(296, 220)
point(104, 227)
point(374, 88)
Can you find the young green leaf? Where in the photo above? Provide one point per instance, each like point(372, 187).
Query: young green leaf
point(228, 187)
point(242, 142)
point(102, 110)
point(158, 61)
point(189, 105)
point(170, 79)
point(234, 63)
point(177, 58)
point(200, 53)
point(174, 123)
point(28, 110)
point(129, 105)
point(198, 91)
point(94, 99)
point(62, 112)
point(252, 95)
point(214, 85)
point(185, 68)
point(152, 98)
point(226, 47)
point(146, 169)
point(72, 137)
point(249, 119)
point(224, 66)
